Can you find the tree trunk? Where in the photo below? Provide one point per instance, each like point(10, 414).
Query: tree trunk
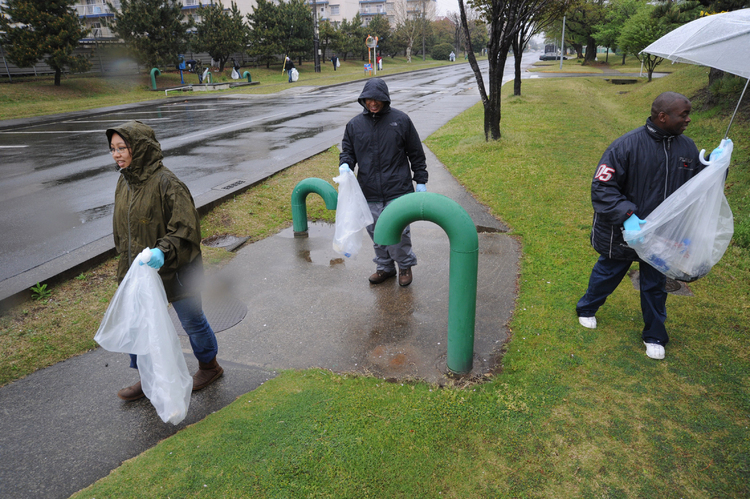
point(408, 53)
point(579, 50)
point(590, 51)
point(58, 73)
point(517, 55)
point(623, 57)
point(714, 75)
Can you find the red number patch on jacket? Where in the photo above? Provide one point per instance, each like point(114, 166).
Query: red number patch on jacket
point(604, 173)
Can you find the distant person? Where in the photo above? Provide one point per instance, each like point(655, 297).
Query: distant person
point(384, 144)
point(637, 172)
point(153, 209)
point(452, 56)
point(379, 62)
point(335, 61)
point(288, 66)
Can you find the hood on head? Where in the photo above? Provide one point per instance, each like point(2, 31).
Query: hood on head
point(145, 150)
point(376, 89)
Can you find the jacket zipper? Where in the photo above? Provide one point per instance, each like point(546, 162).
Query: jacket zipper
point(666, 168)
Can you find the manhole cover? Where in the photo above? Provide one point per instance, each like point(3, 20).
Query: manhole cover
point(221, 314)
point(672, 285)
point(226, 241)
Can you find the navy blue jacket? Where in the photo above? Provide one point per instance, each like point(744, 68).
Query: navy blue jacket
point(385, 146)
point(636, 173)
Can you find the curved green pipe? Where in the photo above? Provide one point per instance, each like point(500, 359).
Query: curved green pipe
point(464, 262)
point(154, 73)
point(299, 198)
point(246, 74)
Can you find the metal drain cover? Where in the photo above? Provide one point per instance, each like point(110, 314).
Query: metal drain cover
point(226, 241)
point(221, 314)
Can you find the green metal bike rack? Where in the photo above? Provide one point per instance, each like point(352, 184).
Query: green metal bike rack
point(154, 73)
point(299, 201)
point(464, 263)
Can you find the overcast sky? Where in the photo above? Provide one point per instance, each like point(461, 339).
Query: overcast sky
point(445, 6)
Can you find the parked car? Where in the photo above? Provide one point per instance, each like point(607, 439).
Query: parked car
point(551, 57)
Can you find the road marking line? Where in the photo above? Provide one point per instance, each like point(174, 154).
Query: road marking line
point(232, 125)
point(11, 147)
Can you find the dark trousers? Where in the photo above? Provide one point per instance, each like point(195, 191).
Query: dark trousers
point(606, 276)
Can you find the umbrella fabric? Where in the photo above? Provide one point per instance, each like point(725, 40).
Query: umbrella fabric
point(720, 41)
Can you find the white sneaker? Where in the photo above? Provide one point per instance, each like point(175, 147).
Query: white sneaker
point(654, 350)
point(589, 322)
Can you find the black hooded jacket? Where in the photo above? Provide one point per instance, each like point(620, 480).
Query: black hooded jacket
point(636, 173)
point(385, 146)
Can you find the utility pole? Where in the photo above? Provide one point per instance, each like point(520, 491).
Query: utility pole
point(316, 41)
point(562, 43)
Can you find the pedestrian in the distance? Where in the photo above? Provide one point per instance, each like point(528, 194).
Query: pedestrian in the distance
point(637, 172)
point(383, 143)
point(154, 209)
point(335, 61)
point(288, 66)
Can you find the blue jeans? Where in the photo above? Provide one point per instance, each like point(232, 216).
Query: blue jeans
point(606, 276)
point(193, 320)
point(400, 252)
point(290, 75)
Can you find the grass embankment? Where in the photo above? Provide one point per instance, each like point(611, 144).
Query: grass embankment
point(614, 62)
point(37, 96)
point(574, 413)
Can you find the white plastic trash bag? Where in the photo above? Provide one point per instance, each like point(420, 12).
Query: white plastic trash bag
point(689, 231)
point(295, 74)
point(235, 74)
point(352, 215)
point(137, 322)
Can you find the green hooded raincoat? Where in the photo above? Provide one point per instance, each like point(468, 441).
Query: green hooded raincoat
point(154, 209)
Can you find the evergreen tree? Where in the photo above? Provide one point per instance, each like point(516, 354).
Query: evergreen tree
point(221, 33)
point(296, 13)
point(42, 29)
point(380, 27)
point(153, 30)
point(267, 35)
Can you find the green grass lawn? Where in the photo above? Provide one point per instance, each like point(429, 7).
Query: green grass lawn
point(573, 412)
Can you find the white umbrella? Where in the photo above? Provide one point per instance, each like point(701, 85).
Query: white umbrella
point(720, 41)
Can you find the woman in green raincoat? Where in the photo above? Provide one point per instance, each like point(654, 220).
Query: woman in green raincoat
point(154, 209)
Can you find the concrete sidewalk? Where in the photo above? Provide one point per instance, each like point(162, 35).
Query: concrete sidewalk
point(62, 428)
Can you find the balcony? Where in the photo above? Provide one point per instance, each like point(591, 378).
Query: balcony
point(96, 10)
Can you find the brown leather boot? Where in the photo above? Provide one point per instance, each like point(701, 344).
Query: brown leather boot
point(207, 374)
point(381, 276)
point(404, 276)
point(134, 392)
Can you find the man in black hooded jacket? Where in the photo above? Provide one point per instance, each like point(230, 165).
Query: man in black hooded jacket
point(637, 172)
point(384, 144)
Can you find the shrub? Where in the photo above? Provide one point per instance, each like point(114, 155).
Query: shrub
point(442, 51)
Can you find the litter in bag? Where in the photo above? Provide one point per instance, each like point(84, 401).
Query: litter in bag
point(235, 74)
point(689, 232)
point(295, 74)
point(137, 322)
point(352, 215)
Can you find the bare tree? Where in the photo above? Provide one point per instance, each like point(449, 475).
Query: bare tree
point(534, 26)
point(409, 18)
point(506, 18)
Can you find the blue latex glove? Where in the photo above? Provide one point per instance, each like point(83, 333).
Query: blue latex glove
point(715, 153)
point(633, 223)
point(421, 188)
point(157, 259)
point(344, 167)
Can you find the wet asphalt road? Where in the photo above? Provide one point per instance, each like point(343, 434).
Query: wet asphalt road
point(57, 178)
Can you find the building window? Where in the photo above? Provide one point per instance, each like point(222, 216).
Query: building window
point(334, 10)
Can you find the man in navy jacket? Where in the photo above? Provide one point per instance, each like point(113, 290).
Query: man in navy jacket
point(384, 144)
point(637, 172)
